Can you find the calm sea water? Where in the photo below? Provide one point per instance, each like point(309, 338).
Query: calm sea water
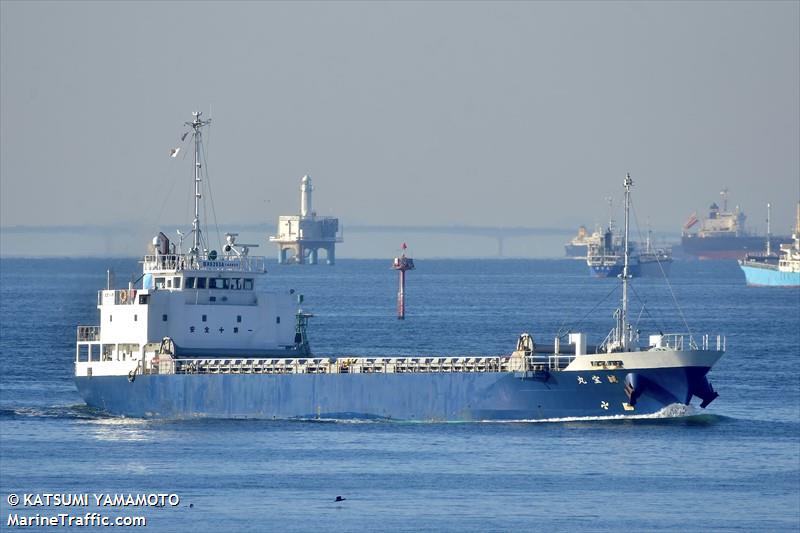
point(734, 466)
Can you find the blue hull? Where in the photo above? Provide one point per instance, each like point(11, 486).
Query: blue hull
point(461, 396)
point(758, 276)
point(612, 271)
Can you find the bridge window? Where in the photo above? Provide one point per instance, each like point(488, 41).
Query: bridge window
point(238, 318)
point(236, 283)
point(83, 353)
point(126, 351)
point(169, 283)
point(205, 318)
point(248, 284)
point(201, 283)
point(176, 283)
point(143, 298)
point(219, 283)
point(236, 330)
point(159, 283)
point(163, 318)
point(108, 351)
point(277, 320)
point(190, 282)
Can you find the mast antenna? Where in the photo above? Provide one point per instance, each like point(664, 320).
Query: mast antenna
point(196, 124)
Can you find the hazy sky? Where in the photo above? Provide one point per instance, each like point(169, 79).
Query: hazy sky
point(502, 114)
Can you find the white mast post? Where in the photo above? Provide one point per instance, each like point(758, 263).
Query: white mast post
point(196, 124)
point(769, 232)
point(624, 334)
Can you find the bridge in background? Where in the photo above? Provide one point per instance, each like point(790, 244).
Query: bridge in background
point(499, 233)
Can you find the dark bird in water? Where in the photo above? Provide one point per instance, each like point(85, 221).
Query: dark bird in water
point(340, 499)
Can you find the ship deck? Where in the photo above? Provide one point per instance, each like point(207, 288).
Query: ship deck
point(362, 365)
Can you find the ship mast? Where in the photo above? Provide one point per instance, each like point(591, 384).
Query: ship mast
point(769, 232)
point(622, 335)
point(196, 124)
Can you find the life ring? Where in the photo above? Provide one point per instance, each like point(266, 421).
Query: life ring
point(123, 296)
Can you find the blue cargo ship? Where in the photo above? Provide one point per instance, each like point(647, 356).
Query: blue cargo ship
point(605, 258)
point(768, 270)
point(198, 338)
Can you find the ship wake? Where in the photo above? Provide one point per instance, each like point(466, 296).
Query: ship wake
point(673, 411)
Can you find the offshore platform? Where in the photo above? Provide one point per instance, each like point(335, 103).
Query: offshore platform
point(301, 237)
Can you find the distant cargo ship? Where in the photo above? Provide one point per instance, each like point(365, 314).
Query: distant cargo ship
point(768, 270)
point(578, 247)
point(606, 259)
point(722, 234)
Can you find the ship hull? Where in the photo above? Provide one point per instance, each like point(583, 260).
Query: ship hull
point(457, 396)
point(766, 276)
point(654, 268)
point(613, 270)
point(727, 247)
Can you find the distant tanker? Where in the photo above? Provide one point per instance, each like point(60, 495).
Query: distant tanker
point(722, 234)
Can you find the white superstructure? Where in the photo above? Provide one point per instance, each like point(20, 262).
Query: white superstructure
point(720, 222)
point(790, 252)
point(194, 304)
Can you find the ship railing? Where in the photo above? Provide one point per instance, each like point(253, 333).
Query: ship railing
point(610, 338)
point(717, 342)
point(349, 365)
point(230, 263)
point(681, 341)
point(88, 333)
point(672, 341)
point(557, 361)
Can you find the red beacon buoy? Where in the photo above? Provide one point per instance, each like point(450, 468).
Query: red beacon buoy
point(402, 264)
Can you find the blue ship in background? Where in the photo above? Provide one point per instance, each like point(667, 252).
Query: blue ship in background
point(770, 270)
point(606, 258)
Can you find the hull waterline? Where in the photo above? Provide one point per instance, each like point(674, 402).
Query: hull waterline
point(759, 276)
point(419, 397)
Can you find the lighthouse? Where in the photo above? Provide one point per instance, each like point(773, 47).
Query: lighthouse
point(301, 237)
point(305, 195)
